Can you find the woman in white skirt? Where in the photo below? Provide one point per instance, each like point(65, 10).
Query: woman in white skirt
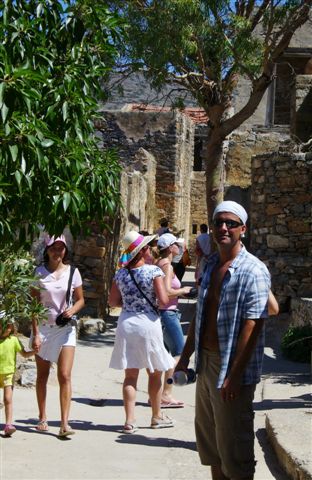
point(139, 341)
point(51, 342)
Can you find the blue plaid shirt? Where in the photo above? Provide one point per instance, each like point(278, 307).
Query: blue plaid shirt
point(244, 295)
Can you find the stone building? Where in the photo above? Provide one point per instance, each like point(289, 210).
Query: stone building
point(162, 152)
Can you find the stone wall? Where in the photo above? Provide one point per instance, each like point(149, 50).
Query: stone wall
point(169, 138)
point(96, 257)
point(138, 190)
point(281, 222)
point(242, 145)
point(301, 311)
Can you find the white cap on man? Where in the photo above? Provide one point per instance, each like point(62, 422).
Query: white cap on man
point(231, 207)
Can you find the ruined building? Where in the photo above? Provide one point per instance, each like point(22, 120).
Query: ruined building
point(163, 156)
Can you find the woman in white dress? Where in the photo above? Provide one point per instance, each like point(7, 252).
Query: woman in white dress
point(52, 342)
point(139, 341)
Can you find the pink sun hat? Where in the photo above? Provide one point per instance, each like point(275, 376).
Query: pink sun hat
point(133, 242)
point(51, 240)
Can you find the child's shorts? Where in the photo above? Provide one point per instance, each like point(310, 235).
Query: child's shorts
point(6, 379)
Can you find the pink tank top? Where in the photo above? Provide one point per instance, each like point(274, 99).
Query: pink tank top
point(173, 302)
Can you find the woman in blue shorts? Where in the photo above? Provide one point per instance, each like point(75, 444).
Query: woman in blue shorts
point(169, 314)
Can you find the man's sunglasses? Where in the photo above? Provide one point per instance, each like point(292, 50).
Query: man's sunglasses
point(229, 223)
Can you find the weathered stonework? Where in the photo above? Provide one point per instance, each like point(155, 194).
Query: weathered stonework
point(96, 257)
point(301, 311)
point(169, 138)
point(281, 221)
point(243, 144)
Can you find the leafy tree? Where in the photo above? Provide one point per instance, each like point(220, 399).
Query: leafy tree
point(16, 280)
point(54, 55)
point(203, 47)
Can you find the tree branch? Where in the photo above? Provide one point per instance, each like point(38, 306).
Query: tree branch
point(255, 98)
point(259, 14)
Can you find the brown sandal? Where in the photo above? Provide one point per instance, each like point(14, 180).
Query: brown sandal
point(66, 432)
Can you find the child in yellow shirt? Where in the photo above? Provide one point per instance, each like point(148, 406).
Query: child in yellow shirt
point(9, 346)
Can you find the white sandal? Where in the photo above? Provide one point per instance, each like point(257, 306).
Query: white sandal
point(130, 428)
point(162, 422)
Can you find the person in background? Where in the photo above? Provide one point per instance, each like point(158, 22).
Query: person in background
point(10, 345)
point(164, 227)
point(139, 340)
point(180, 260)
point(53, 343)
point(202, 250)
point(169, 312)
point(228, 338)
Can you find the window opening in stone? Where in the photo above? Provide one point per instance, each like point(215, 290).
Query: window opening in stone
point(198, 161)
point(288, 66)
point(194, 228)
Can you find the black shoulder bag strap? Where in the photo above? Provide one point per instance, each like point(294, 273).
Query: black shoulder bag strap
point(142, 293)
point(70, 279)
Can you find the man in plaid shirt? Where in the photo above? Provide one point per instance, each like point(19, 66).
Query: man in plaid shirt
point(228, 338)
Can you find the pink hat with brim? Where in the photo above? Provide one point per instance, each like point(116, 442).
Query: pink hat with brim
point(51, 240)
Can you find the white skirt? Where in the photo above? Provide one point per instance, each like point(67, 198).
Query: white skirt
point(53, 338)
point(139, 343)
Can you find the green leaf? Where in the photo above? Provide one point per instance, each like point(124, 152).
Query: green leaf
point(7, 129)
point(66, 200)
point(47, 142)
point(32, 139)
point(28, 180)
point(39, 10)
point(23, 164)
point(2, 90)
point(4, 112)
point(65, 111)
point(29, 74)
point(18, 176)
point(14, 151)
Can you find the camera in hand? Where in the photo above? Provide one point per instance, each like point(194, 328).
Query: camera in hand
point(193, 293)
point(61, 321)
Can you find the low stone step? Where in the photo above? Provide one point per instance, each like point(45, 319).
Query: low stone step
point(91, 326)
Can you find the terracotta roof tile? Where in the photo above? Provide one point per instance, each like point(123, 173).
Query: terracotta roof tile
point(198, 115)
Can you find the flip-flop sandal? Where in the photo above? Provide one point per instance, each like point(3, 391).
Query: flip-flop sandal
point(66, 433)
point(42, 426)
point(172, 404)
point(130, 428)
point(9, 429)
point(169, 404)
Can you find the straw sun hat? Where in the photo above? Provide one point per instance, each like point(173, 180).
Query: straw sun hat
point(133, 242)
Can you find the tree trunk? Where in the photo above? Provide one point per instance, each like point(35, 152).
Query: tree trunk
point(215, 172)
